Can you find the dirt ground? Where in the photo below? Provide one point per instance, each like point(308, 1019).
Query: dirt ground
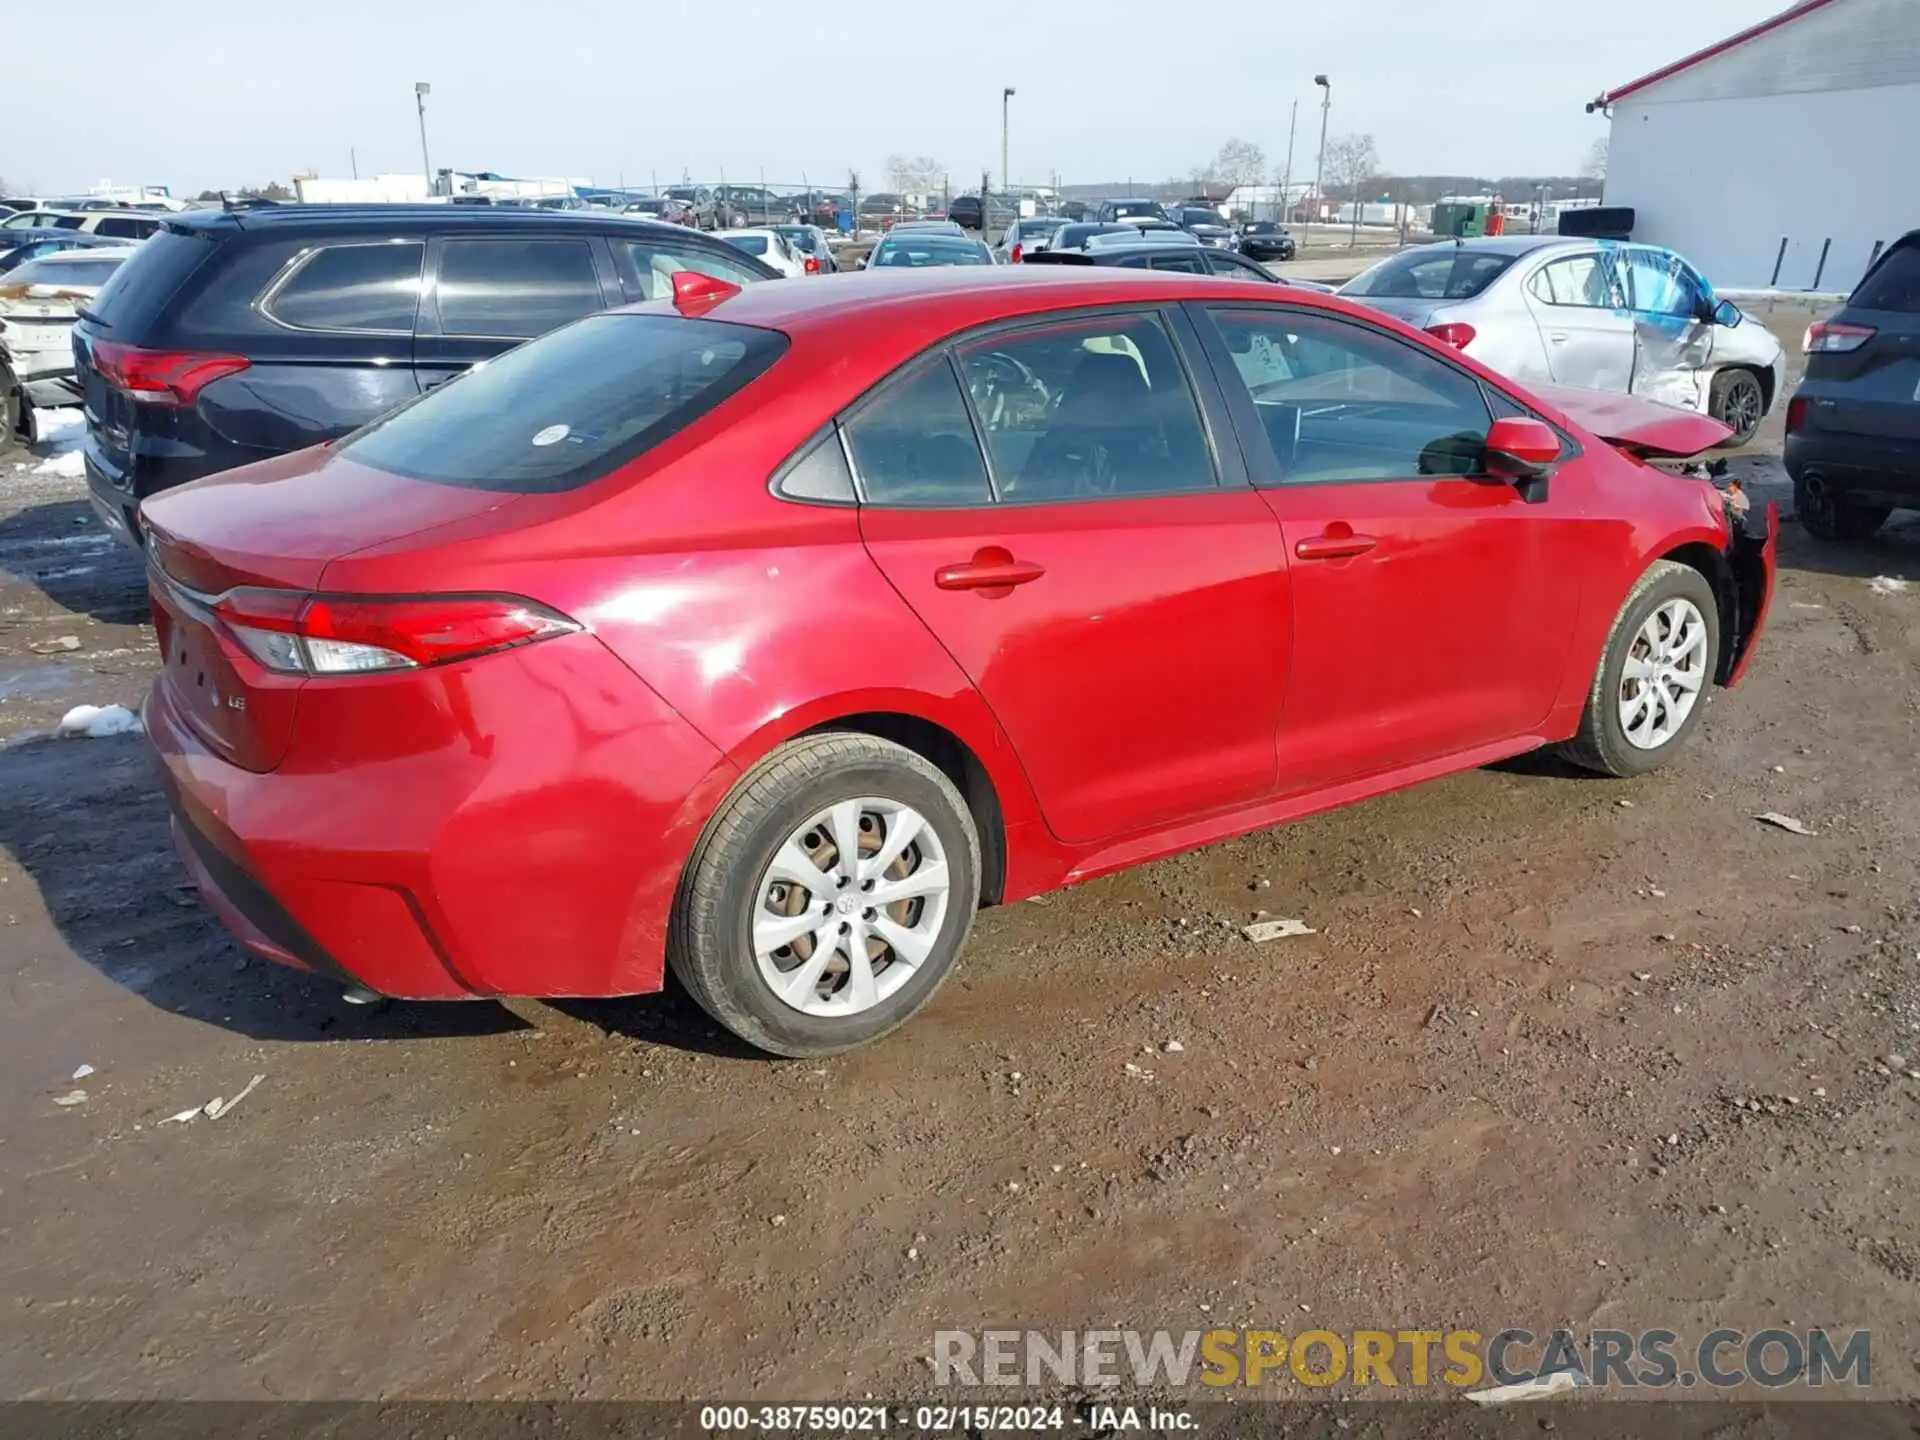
point(1563, 1051)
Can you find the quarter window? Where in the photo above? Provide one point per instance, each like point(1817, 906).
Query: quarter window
point(914, 446)
point(1340, 402)
point(352, 287)
point(1087, 409)
point(515, 287)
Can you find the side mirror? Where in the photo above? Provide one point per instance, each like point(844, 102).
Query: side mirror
point(1522, 449)
point(1727, 313)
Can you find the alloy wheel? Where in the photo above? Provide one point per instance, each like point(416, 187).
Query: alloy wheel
point(1664, 674)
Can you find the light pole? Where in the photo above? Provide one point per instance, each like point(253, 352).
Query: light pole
point(421, 89)
point(1006, 180)
point(1320, 171)
point(1286, 176)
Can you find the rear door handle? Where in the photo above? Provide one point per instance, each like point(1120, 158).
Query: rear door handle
point(1558, 337)
point(992, 568)
point(1333, 546)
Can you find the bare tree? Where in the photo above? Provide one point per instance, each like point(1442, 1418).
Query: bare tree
point(1240, 162)
point(1595, 165)
point(1352, 165)
point(915, 174)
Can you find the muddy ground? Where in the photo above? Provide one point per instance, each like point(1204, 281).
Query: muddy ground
point(1563, 1051)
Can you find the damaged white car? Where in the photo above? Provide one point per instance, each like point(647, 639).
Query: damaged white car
point(39, 302)
point(1602, 314)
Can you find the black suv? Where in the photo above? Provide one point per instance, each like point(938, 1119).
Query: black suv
point(234, 336)
point(1853, 430)
point(1183, 258)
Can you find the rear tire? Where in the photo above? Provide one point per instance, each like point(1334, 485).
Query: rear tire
point(748, 917)
point(1827, 515)
point(1738, 401)
point(1604, 743)
point(16, 420)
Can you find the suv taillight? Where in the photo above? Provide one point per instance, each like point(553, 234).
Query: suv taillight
point(1832, 337)
point(1013, 256)
point(299, 634)
point(162, 377)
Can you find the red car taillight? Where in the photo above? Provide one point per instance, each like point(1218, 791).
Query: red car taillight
point(299, 634)
point(812, 265)
point(162, 377)
point(1455, 333)
point(1829, 337)
point(1014, 255)
point(1796, 413)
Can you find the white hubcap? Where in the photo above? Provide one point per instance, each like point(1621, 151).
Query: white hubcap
point(850, 907)
point(1664, 673)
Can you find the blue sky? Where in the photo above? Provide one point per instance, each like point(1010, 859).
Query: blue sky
point(227, 93)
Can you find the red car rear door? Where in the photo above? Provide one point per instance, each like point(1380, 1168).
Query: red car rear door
point(1432, 603)
point(1050, 500)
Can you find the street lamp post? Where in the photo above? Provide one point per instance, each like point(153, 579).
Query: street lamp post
point(1320, 171)
point(421, 89)
point(1006, 180)
point(1286, 176)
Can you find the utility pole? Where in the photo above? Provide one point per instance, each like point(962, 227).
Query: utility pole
point(1320, 172)
point(421, 89)
point(353, 161)
point(1006, 180)
point(1286, 176)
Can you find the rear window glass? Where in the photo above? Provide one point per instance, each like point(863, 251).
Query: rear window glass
point(1453, 274)
point(1894, 283)
point(55, 270)
point(570, 407)
point(750, 244)
point(352, 287)
point(515, 287)
point(140, 289)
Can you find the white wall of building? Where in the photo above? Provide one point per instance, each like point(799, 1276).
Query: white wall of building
point(1805, 135)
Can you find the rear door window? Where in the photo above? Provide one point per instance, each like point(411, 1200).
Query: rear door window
point(515, 288)
point(1088, 409)
point(351, 287)
point(913, 445)
point(125, 227)
point(1894, 284)
point(655, 264)
point(570, 407)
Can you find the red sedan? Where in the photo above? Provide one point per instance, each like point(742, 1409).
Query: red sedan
point(767, 635)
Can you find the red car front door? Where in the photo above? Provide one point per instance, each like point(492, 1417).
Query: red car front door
point(1432, 603)
point(1122, 611)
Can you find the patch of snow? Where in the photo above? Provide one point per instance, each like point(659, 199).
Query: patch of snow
point(97, 722)
point(50, 423)
point(69, 466)
point(1887, 585)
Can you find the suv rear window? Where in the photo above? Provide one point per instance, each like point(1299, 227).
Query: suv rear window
point(1455, 274)
point(570, 407)
point(1894, 283)
point(133, 299)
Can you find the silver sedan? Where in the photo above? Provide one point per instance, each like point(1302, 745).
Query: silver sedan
point(1603, 314)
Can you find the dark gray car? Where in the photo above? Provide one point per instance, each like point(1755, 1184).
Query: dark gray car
point(1853, 430)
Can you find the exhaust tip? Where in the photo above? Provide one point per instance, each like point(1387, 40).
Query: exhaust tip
point(360, 995)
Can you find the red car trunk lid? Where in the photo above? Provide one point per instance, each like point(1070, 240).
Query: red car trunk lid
point(300, 513)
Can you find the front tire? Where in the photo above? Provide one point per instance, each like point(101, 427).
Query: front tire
point(1738, 402)
point(1651, 687)
point(828, 897)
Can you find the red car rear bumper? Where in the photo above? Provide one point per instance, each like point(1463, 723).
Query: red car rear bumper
point(513, 826)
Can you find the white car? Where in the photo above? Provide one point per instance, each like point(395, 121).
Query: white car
point(38, 305)
point(768, 246)
point(1600, 314)
point(109, 224)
